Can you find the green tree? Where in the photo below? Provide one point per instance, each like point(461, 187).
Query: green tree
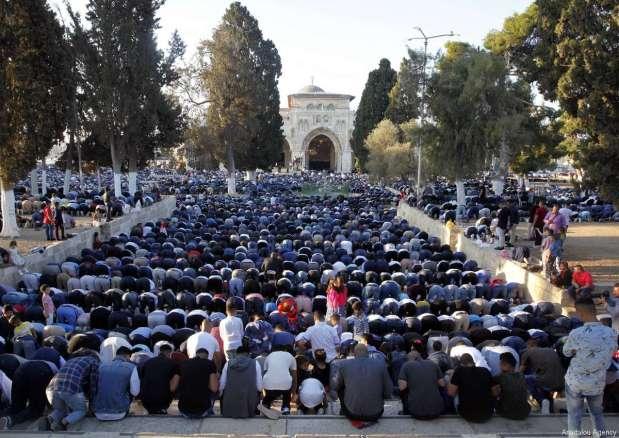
point(32, 94)
point(372, 107)
point(124, 74)
point(156, 121)
point(405, 96)
point(570, 49)
point(388, 156)
point(241, 83)
point(464, 103)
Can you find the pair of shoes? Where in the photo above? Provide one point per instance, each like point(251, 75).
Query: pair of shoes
point(285, 411)
point(5, 423)
point(56, 427)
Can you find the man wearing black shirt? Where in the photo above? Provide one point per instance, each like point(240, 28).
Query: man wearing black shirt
point(159, 381)
point(473, 386)
point(197, 385)
point(28, 399)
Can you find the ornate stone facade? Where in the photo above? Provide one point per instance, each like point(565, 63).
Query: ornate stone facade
point(312, 115)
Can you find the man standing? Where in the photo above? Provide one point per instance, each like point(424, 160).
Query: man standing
point(231, 330)
point(419, 383)
point(107, 201)
point(321, 336)
point(118, 383)
point(539, 214)
point(197, 385)
point(68, 389)
point(48, 221)
point(58, 222)
point(160, 376)
point(365, 384)
point(591, 348)
point(502, 226)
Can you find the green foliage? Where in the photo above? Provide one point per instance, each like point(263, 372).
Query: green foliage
point(245, 127)
point(372, 107)
point(464, 97)
point(405, 96)
point(388, 156)
point(124, 74)
point(570, 49)
point(33, 89)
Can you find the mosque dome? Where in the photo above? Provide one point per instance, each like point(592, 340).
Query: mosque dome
point(311, 89)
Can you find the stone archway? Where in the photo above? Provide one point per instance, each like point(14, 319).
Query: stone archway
point(322, 150)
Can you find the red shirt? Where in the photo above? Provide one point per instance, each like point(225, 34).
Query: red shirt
point(540, 212)
point(48, 215)
point(582, 278)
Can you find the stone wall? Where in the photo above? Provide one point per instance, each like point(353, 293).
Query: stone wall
point(59, 252)
point(537, 287)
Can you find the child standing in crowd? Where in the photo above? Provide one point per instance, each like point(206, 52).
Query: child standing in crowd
point(551, 253)
point(360, 323)
point(48, 304)
point(337, 294)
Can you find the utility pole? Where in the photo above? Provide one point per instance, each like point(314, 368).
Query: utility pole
point(422, 117)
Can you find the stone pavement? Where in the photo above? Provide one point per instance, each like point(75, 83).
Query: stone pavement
point(313, 426)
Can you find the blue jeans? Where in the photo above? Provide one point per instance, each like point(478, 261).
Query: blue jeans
point(576, 406)
point(68, 407)
point(49, 231)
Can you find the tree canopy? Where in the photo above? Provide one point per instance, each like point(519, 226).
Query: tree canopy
point(33, 92)
point(570, 49)
point(405, 96)
point(388, 157)
point(124, 73)
point(243, 120)
point(372, 107)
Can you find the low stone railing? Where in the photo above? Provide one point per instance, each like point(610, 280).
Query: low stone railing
point(536, 286)
point(59, 252)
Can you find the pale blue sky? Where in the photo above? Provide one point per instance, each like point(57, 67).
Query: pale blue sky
point(338, 41)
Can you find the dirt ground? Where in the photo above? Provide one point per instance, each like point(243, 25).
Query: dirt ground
point(595, 245)
point(31, 238)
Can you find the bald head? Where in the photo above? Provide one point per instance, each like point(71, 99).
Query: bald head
point(361, 350)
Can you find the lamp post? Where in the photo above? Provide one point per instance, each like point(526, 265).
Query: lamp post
point(425, 39)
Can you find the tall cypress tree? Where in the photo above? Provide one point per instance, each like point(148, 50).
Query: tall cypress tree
point(372, 107)
point(33, 93)
point(405, 96)
point(241, 81)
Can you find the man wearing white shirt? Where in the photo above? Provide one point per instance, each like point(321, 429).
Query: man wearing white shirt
point(322, 337)
point(204, 339)
point(478, 358)
point(231, 331)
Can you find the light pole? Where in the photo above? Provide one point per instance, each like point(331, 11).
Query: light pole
point(425, 39)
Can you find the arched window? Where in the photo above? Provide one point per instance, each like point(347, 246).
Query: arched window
point(330, 107)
